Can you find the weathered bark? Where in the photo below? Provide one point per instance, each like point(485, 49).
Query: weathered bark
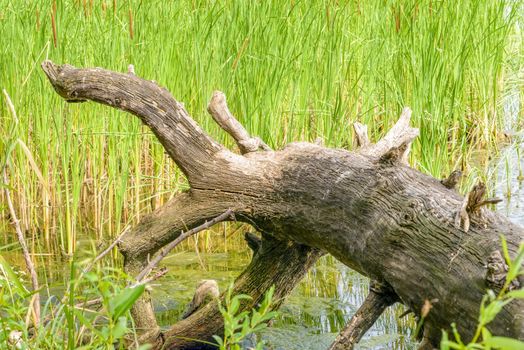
point(378, 299)
point(370, 211)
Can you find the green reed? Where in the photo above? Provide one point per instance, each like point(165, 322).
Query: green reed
point(292, 70)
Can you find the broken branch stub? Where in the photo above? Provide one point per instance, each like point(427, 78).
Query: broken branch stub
point(396, 144)
point(390, 223)
point(361, 134)
point(471, 207)
point(219, 110)
point(452, 180)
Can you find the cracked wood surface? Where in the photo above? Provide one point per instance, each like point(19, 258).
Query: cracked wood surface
point(384, 220)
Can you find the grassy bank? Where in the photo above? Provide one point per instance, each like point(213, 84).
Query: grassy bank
point(292, 70)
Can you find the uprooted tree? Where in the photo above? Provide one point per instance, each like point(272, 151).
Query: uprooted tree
point(413, 235)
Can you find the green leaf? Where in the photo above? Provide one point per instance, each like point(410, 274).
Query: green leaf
point(492, 310)
point(245, 328)
point(235, 304)
point(255, 318)
point(504, 343)
point(269, 316)
point(514, 269)
point(219, 341)
point(122, 302)
point(444, 341)
point(505, 250)
point(120, 328)
point(12, 277)
point(517, 294)
point(456, 335)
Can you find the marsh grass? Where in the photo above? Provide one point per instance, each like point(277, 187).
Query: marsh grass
point(292, 70)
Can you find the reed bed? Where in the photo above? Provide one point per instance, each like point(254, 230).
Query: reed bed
point(292, 70)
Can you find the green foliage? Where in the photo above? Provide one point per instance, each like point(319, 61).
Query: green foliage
point(68, 323)
point(292, 71)
point(490, 307)
point(238, 326)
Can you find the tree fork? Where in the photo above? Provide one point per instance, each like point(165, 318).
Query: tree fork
point(369, 210)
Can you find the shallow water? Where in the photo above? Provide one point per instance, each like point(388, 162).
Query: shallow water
point(311, 316)
point(506, 172)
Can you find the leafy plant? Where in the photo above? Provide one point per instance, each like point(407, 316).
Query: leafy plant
point(490, 307)
point(92, 315)
point(237, 327)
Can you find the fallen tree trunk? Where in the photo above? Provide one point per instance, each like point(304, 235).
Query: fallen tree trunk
point(367, 208)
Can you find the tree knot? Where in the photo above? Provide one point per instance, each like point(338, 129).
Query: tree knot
point(496, 273)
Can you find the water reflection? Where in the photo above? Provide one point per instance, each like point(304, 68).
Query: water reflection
point(311, 316)
point(506, 172)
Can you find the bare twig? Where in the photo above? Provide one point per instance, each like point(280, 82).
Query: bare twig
point(89, 303)
point(27, 257)
point(179, 239)
point(106, 251)
point(472, 206)
point(157, 275)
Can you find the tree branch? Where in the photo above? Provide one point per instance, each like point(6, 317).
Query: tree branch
point(378, 299)
point(219, 110)
point(400, 134)
point(168, 248)
point(185, 142)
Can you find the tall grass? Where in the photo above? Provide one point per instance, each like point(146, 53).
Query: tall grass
point(292, 70)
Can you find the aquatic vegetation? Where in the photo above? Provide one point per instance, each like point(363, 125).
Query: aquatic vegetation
point(238, 327)
point(93, 313)
point(292, 71)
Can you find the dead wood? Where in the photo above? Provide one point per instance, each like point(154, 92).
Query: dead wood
point(370, 211)
point(452, 180)
point(379, 298)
